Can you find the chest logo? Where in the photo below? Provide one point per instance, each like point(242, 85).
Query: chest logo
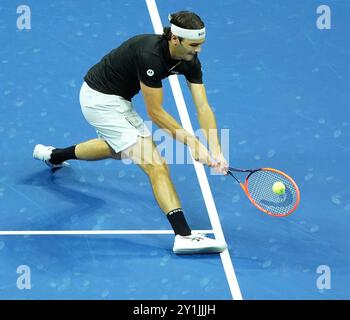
point(150, 72)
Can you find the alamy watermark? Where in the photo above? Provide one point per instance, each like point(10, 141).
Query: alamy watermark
point(173, 151)
point(24, 19)
point(324, 280)
point(24, 280)
point(324, 19)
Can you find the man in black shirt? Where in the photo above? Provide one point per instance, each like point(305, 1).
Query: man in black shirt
point(143, 58)
point(141, 63)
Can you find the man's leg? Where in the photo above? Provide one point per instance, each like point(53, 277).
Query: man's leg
point(91, 150)
point(95, 149)
point(143, 153)
point(146, 156)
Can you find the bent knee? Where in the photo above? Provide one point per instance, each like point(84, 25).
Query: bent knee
point(159, 167)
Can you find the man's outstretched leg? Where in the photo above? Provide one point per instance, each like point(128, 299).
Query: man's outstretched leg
point(95, 149)
point(145, 154)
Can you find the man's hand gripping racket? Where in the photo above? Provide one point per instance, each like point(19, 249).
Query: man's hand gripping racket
point(270, 190)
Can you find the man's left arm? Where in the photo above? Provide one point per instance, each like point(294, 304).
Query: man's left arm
point(207, 121)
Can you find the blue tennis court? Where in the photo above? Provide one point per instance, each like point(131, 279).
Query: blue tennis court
point(276, 80)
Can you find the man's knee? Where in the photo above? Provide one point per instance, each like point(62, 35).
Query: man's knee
point(158, 167)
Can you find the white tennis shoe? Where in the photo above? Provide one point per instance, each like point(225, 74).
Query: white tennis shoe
point(197, 243)
point(43, 153)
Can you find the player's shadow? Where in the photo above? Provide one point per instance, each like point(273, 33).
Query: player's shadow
point(81, 200)
point(81, 203)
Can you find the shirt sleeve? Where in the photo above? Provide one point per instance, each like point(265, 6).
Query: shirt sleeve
point(193, 72)
point(149, 70)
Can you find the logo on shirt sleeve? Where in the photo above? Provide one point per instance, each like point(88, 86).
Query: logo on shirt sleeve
point(150, 72)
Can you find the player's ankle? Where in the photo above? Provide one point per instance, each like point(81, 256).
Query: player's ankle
point(60, 155)
point(178, 222)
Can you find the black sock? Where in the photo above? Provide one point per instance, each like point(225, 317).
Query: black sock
point(60, 155)
point(178, 222)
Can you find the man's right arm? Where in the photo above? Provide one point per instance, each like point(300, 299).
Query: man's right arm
point(154, 103)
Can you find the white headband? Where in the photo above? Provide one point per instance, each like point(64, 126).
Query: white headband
point(191, 34)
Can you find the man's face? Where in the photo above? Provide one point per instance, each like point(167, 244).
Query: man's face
point(186, 49)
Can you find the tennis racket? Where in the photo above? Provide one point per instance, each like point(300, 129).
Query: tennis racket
point(258, 188)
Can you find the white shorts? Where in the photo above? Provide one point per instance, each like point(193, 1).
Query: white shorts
point(113, 117)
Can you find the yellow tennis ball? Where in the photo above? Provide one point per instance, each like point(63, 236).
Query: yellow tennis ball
point(279, 188)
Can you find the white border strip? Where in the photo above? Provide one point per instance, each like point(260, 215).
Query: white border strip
point(202, 177)
point(90, 232)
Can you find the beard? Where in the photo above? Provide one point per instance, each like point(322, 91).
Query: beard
point(189, 57)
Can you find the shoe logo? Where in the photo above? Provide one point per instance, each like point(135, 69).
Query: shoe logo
point(150, 72)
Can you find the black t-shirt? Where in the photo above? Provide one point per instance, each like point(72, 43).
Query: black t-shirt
point(144, 58)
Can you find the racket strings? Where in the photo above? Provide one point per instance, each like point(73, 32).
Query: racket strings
point(259, 186)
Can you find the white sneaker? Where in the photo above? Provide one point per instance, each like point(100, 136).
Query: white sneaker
point(43, 153)
point(197, 243)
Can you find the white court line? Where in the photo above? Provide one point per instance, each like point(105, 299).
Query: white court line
point(202, 177)
point(90, 232)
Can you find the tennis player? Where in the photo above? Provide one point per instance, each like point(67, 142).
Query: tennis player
point(141, 63)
